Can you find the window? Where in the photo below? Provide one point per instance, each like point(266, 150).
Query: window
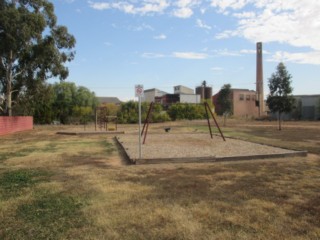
point(253, 97)
point(248, 97)
point(241, 97)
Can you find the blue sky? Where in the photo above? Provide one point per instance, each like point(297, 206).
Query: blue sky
point(163, 43)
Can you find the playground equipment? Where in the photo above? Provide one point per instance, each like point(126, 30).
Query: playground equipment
point(144, 131)
point(105, 121)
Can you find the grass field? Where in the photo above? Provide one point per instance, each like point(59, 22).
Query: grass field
point(79, 187)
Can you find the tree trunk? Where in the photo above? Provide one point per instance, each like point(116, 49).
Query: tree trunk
point(279, 115)
point(9, 77)
point(224, 119)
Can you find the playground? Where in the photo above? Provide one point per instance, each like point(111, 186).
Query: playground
point(172, 146)
point(84, 188)
point(197, 147)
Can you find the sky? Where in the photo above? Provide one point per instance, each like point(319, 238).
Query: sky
point(164, 43)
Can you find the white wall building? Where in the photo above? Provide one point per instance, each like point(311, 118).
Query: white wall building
point(151, 94)
point(182, 90)
point(190, 98)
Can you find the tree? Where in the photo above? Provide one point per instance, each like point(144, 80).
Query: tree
point(280, 99)
point(37, 102)
point(224, 104)
point(224, 100)
point(71, 102)
point(83, 114)
point(64, 101)
point(188, 111)
point(33, 46)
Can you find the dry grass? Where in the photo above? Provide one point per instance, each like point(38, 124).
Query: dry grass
point(70, 187)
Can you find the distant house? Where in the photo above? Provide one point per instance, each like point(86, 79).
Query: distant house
point(104, 100)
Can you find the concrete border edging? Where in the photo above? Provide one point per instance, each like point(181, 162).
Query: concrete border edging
point(90, 133)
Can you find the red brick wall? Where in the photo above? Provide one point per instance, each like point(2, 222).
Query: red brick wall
point(15, 124)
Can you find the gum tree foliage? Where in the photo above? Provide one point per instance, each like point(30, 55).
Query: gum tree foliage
point(128, 112)
point(72, 102)
point(32, 47)
point(179, 111)
point(224, 100)
point(36, 102)
point(280, 99)
point(64, 102)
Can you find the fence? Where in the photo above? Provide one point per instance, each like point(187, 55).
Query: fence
point(15, 124)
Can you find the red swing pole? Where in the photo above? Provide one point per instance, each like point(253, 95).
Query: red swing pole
point(205, 107)
point(216, 123)
point(146, 123)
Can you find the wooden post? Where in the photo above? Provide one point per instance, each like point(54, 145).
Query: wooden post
point(146, 123)
point(205, 107)
point(215, 122)
point(95, 125)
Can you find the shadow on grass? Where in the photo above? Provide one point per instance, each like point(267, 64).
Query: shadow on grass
point(33, 213)
point(47, 216)
point(50, 216)
point(14, 183)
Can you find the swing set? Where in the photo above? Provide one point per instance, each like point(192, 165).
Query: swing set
point(144, 131)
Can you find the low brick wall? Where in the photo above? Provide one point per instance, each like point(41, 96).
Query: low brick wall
point(15, 124)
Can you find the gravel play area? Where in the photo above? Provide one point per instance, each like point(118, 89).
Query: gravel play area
point(195, 147)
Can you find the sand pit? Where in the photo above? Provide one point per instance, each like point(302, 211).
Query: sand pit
point(191, 147)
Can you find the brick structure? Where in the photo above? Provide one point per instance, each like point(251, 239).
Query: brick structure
point(243, 103)
point(15, 124)
point(259, 81)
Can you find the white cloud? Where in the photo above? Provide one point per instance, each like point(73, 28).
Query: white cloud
point(99, 5)
point(203, 10)
point(225, 4)
point(184, 8)
point(142, 27)
point(302, 58)
point(160, 37)
point(252, 51)
point(190, 55)
point(296, 22)
point(155, 6)
point(201, 24)
point(248, 51)
point(152, 55)
point(226, 52)
point(183, 12)
point(132, 7)
point(245, 15)
point(226, 34)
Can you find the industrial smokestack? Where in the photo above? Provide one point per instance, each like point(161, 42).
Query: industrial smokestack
point(259, 80)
